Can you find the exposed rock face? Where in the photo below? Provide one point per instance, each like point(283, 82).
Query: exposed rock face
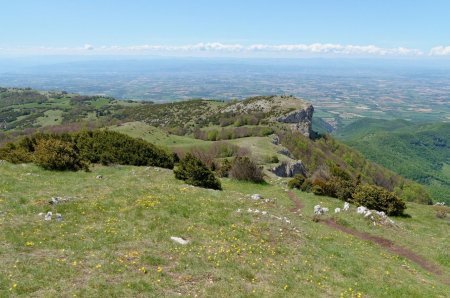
point(299, 120)
point(289, 169)
point(295, 112)
point(285, 152)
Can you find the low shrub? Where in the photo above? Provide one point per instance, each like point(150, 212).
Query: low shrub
point(96, 146)
point(191, 170)
point(245, 169)
point(441, 211)
point(223, 168)
point(378, 198)
point(54, 154)
point(296, 181)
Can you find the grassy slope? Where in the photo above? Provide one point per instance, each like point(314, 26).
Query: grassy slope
point(156, 135)
point(110, 243)
point(21, 108)
point(416, 151)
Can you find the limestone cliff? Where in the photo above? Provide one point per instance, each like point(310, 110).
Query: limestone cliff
point(294, 112)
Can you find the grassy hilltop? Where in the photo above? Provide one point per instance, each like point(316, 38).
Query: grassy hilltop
point(114, 238)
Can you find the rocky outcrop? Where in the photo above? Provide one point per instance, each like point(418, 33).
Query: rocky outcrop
point(299, 120)
point(290, 169)
point(294, 112)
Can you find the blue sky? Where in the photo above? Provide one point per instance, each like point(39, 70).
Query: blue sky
point(234, 28)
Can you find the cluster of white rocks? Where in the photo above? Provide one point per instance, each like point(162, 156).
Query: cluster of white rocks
point(375, 216)
point(320, 210)
point(440, 204)
point(265, 213)
point(48, 216)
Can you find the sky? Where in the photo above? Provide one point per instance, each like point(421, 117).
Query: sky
point(230, 28)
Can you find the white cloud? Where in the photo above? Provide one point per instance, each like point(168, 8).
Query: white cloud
point(440, 51)
point(217, 48)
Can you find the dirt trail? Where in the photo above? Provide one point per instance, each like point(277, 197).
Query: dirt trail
point(298, 205)
point(388, 245)
point(383, 242)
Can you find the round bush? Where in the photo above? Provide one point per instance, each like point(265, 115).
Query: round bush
point(54, 154)
point(244, 168)
point(378, 198)
point(194, 172)
point(296, 181)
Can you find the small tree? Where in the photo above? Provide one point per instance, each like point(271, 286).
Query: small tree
point(244, 168)
point(194, 172)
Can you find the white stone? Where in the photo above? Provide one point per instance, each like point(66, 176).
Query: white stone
point(256, 197)
point(320, 210)
point(346, 206)
point(337, 210)
point(361, 210)
point(179, 240)
point(48, 216)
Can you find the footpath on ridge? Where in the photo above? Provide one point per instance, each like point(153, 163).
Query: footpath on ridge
point(383, 242)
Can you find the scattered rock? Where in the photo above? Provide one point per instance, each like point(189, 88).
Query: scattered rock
point(285, 152)
point(179, 240)
point(48, 216)
point(377, 217)
point(59, 217)
point(337, 210)
point(99, 177)
point(290, 169)
point(55, 200)
point(256, 197)
point(361, 210)
point(440, 204)
point(320, 210)
point(346, 206)
point(275, 140)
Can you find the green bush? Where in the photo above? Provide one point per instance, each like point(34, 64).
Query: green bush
point(296, 181)
point(54, 154)
point(223, 168)
point(375, 197)
point(96, 146)
point(191, 170)
point(15, 154)
point(245, 169)
point(109, 147)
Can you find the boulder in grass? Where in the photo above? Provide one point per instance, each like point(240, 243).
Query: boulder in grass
point(256, 197)
point(48, 216)
point(179, 240)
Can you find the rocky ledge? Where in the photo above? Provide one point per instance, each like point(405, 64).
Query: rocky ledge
point(294, 112)
point(299, 120)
